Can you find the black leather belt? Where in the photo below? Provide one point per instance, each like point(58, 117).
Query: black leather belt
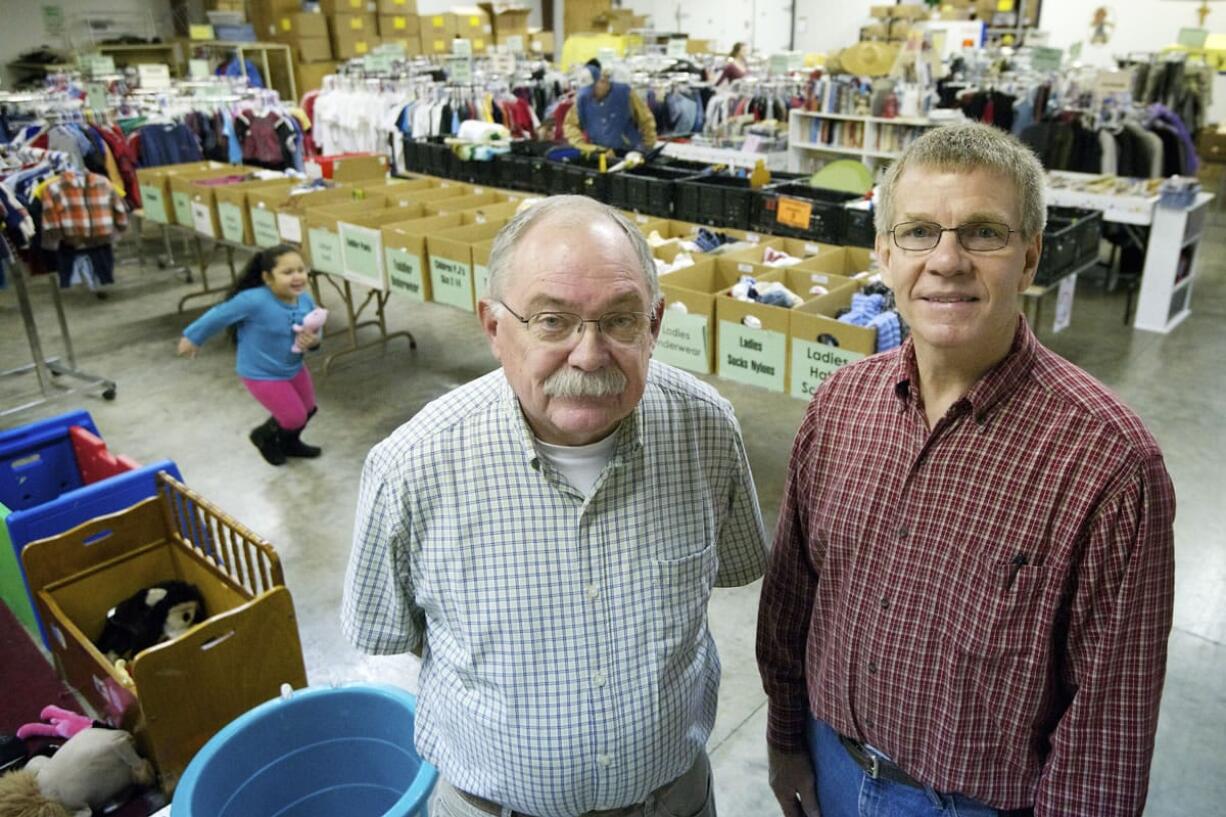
point(879, 769)
point(490, 807)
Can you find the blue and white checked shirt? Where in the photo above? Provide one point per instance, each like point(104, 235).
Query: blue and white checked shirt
point(568, 664)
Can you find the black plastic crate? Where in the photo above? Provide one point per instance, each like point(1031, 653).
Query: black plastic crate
point(439, 159)
point(649, 189)
point(827, 213)
point(722, 201)
point(861, 231)
point(1059, 252)
point(588, 181)
point(415, 156)
point(475, 172)
point(1087, 231)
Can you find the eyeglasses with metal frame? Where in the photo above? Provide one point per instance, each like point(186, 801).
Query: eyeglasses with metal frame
point(974, 236)
point(558, 327)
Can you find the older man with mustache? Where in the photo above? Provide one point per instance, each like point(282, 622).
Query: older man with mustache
point(547, 536)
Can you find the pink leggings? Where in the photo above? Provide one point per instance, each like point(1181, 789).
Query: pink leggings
point(288, 401)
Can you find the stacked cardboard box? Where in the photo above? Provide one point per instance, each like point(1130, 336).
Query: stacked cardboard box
point(618, 21)
point(264, 14)
point(473, 24)
point(893, 23)
point(508, 21)
point(353, 35)
point(306, 33)
point(402, 28)
point(539, 41)
point(580, 14)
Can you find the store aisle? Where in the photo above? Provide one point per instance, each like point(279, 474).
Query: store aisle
point(198, 414)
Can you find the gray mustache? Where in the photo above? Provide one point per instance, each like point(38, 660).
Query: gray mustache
point(574, 383)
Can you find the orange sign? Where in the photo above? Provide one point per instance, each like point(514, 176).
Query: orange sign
point(794, 213)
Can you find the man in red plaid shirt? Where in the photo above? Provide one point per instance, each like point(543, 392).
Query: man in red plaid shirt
point(968, 601)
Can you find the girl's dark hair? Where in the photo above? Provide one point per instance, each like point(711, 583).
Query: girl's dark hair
point(252, 275)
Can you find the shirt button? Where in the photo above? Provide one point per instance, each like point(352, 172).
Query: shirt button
point(872, 667)
point(598, 679)
point(604, 760)
point(903, 533)
point(868, 724)
point(885, 603)
point(593, 591)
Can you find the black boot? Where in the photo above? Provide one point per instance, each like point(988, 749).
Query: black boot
point(269, 439)
point(295, 447)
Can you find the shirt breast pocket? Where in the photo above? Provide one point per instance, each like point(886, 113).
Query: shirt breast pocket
point(680, 589)
point(995, 608)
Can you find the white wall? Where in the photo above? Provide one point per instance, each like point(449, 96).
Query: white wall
point(1140, 25)
point(826, 26)
point(23, 29)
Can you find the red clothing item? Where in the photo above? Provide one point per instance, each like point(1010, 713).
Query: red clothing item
point(82, 209)
point(987, 603)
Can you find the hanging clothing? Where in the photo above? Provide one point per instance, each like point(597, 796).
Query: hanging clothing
point(81, 209)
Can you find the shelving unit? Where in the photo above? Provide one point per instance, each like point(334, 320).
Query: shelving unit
point(859, 137)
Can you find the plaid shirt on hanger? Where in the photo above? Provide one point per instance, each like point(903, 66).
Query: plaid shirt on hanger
point(81, 208)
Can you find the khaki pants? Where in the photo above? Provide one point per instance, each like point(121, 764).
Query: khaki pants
point(691, 795)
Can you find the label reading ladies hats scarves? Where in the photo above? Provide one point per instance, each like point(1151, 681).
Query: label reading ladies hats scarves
point(813, 362)
point(755, 357)
point(264, 227)
point(404, 273)
point(683, 341)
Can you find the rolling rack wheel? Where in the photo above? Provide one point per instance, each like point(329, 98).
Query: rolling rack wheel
point(109, 394)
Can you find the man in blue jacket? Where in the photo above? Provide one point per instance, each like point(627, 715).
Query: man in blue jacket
point(609, 114)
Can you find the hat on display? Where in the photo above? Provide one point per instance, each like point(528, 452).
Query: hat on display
point(868, 59)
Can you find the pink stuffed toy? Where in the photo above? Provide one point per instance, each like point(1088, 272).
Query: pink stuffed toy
point(313, 322)
point(59, 723)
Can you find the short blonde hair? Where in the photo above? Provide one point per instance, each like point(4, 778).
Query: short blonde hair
point(966, 147)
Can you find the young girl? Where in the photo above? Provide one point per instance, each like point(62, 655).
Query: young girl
point(259, 312)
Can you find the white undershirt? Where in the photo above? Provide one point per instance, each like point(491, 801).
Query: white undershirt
point(580, 464)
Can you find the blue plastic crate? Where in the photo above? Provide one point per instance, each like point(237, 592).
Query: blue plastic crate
point(37, 463)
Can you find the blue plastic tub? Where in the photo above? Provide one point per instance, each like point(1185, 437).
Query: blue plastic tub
point(319, 752)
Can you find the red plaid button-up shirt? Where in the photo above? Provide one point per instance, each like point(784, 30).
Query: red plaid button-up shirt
point(987, 602)
point(81, 208)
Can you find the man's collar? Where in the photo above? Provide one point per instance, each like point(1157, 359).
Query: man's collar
point(994, 386)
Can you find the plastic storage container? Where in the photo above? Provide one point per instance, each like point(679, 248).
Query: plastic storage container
point(318, 752)
point(650, 189)
point(827, 219)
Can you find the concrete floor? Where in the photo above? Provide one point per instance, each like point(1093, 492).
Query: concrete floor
point(198, 414)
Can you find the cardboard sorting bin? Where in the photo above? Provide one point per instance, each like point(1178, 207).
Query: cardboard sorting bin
point(405, 256)
point(479, 198)
point(687, 326)
point(202, 200)
point(290, 209)
point(233, 207)
point(819, 343)
point(177, 694)
point(181, 190)
point(430, 195)
point(452, 280)
point(154, 184)
point(323, 240)
point(361, 237)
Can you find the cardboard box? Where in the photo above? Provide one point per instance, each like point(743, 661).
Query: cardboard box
point(687, 329)
point(477, 199)
point(207, 210)
point(353, 167)
point(291, 210)
point(411, 44)
point(881, 12)
point(430, 195)
point(311, 49)
point(323, 241)
point(331, 7)
point(399, 26)
point(183, 195)
point(437, 32)
point(451, 262)
point(579, 14)
point(301, 25)
point(693, 46)
point(753, 355)
point(540, 41)
point(405, 257)
point(507, 20)
point(310, 76)
point(361, 239)
point(474, 24)
point(233, 211)
point(818, 343)
point(353, 35)
point(899, 29)
point(154, 182)
point(396, 6)
point(1211, 143)
point(910, 11)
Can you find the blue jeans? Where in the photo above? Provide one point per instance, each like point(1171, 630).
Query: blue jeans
point(846, 790)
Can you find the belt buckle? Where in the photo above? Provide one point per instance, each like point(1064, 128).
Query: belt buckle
point(874, 765)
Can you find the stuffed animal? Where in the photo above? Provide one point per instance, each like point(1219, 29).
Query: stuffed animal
point(313, 322)
point(93, 768)
point(158, 613)
point(60, 723)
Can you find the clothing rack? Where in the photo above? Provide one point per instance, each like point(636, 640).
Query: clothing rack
point(44, 368)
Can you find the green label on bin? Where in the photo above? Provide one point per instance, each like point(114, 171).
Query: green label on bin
point(231, 216)
point(451, 282)
point(755, 357)
point(325, 251)
point(361, 253)
point(481, 274)
point(813, 362)
point(153, 203)
point(183, 208)
point(683, 341)
point(404, 273)
point(264, 227)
